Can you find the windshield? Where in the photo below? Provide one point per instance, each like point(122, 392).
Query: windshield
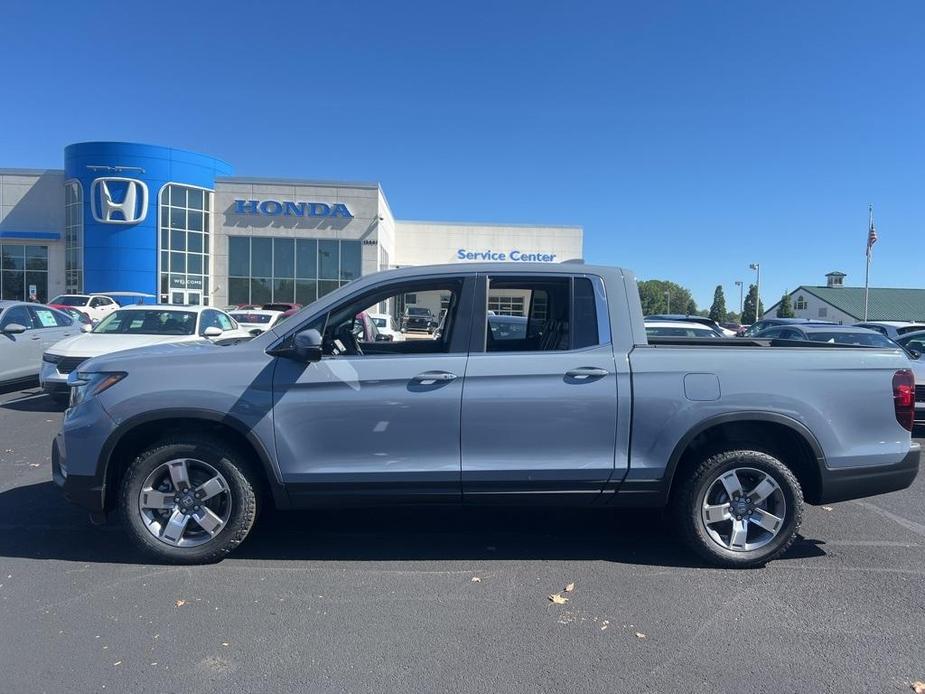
point(846, 338)
point(70, 300)
point(418, 311)
point(150, 322)
point(251, 317)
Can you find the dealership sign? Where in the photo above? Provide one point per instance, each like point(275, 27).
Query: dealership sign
point(118, 200)
point(286, 208)
point(515, 255)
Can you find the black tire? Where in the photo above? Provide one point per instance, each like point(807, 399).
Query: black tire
point(242, 487)
point(688, 502)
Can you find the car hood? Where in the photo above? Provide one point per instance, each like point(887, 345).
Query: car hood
point(94, 344)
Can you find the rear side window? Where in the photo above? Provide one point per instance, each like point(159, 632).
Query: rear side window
point(47, 318)
point(540, 314)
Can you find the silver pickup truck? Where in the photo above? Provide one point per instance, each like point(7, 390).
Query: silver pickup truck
point(574, 406)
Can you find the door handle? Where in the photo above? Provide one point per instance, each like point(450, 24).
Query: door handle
point(585, 373)
point(429, 378)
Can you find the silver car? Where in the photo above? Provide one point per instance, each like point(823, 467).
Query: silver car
point(26, 331)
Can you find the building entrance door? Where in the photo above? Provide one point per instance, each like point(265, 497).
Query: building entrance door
point(180, 297)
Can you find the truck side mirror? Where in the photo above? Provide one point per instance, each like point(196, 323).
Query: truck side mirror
point(14, 329)
point(307, 345)
point(212, 331)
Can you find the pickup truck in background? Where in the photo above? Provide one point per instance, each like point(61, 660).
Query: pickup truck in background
point(186, 442)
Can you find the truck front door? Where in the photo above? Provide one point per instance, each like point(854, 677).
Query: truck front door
point(376, 417)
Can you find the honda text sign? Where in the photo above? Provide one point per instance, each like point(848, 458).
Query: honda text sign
point(118, 200)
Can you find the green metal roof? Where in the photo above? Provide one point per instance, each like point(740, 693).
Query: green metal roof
point(884, 304)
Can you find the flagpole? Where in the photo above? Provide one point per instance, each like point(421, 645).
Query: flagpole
point(870, 225)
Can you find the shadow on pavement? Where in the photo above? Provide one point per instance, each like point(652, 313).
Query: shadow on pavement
point(35, 522)
point(32, 401)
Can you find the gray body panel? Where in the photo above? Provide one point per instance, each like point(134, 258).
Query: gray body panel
point(511, 425)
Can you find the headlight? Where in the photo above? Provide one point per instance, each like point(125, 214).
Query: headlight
point(85, 385)
point(51, 358)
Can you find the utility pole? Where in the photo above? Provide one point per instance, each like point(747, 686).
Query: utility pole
point(757, 268)
point(740, 284)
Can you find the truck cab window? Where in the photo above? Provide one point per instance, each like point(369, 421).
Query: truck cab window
point(426, 322)
point(540, 314)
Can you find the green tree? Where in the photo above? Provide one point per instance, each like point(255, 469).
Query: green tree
point(718, 308)
point(654, 295)
point(785, 307)
point(691, 308)
point(732, 317)
point(748, 311)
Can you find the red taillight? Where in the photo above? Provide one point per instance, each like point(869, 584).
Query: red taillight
point(904, 398)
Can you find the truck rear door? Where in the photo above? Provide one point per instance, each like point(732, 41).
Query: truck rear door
point(539, 410)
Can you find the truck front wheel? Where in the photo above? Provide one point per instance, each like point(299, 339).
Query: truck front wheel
point(739, 508)
point(189, 500)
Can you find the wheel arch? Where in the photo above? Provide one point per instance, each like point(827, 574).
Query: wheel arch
point(776, 433)
point(133, 434)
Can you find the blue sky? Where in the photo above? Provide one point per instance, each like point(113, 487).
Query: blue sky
point(689, 139)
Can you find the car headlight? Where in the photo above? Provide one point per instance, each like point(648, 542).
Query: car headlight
point(51, 358)
point(86, 385)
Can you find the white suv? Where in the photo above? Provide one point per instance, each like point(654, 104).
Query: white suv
point(96, 306)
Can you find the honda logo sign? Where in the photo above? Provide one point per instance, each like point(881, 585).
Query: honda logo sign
point(118, 200)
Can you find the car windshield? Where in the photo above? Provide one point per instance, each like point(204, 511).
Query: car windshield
point(251, 317)
point(849, 338)
point(148, 322)
point(418, 311)
point(70, 300)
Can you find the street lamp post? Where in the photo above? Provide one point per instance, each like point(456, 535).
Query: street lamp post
point(757, 268)
point(668, 295)
point(740, 284)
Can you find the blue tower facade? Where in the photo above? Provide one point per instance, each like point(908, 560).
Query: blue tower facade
point(120, 185)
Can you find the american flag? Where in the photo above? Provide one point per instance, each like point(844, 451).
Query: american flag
point(871, 234)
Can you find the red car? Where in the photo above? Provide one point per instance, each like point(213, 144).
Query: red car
point(73, 313)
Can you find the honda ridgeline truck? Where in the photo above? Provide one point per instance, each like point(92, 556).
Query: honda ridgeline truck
point(186, 442)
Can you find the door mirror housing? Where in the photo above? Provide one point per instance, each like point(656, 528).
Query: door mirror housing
point(14, 329)
point(86, 328)
point(212, 331)
point(306, 345)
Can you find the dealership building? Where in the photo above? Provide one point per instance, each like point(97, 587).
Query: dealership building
point(124, 217)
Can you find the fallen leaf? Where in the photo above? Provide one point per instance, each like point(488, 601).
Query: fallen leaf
point(826, 508)
point(918, 687)
point(558, 599)
point(640, 635)
point(181, 603)
point(570, 587)
point(476, 579)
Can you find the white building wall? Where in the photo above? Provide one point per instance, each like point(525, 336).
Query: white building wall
point(33, 201)
point(816, 309)
point(426, 243)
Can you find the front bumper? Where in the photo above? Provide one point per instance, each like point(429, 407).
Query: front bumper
point(76, 460)
point(858, 482)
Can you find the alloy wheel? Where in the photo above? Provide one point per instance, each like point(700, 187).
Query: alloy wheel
point(185, 502)
point(743, 509)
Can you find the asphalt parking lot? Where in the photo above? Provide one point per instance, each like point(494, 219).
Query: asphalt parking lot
point(448, 600)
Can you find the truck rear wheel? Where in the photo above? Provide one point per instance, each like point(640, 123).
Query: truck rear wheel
point(188, 501)
point(739, 508)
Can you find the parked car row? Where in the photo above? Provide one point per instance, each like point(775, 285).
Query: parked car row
point(38, 340)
